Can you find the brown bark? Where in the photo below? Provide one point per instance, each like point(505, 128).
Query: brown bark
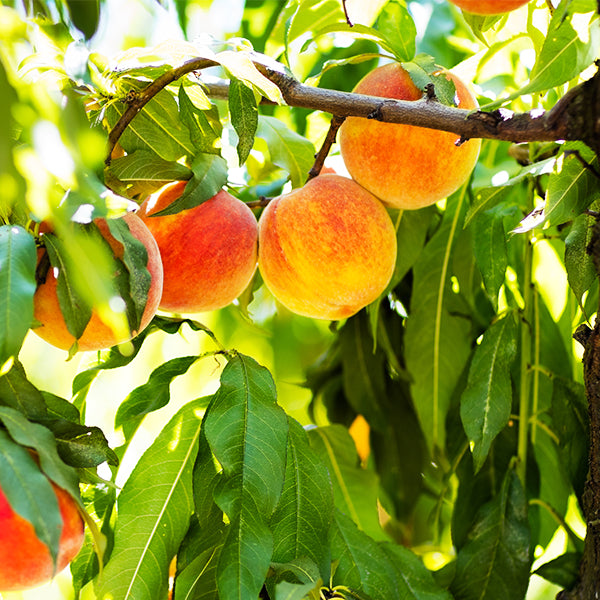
point(588, 586)
point(576, 117)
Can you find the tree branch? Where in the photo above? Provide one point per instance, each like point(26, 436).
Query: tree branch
point(575, 117)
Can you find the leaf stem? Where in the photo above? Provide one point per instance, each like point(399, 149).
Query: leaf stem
point(525, 368)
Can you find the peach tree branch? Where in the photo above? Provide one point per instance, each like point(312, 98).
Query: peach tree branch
point(575, 117)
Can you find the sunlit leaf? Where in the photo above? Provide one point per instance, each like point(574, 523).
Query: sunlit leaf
point(302, 518)
point(247, 433)
point(244, 116)
point(154, 509)
point(17, 286)
point(288, 149)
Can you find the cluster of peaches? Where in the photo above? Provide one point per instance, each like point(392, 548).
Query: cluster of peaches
point(325, 250)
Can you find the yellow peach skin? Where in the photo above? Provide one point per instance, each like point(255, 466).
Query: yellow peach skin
point(327, 249)
point(209, 252)
point(405, 166)
point(97, 335)
point(489, 7)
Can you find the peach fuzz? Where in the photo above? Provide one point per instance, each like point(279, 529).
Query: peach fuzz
point(209, 252)
point(97, 335)
point(405, 166)
point(25, 560)
point(327, 249)
point(489, 7)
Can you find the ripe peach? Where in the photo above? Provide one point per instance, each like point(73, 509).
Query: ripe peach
point(25, 561)
point(405, 166)
point(327, 249)
point(97, 335)
point(209, 252)
point(489, 7)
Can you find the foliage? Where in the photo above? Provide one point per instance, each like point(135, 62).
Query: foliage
point(473, 458)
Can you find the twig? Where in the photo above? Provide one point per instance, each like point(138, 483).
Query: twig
point(336, 123)
point(138, 101)
point(584, 162)
point(568, 120)
point(346, 14)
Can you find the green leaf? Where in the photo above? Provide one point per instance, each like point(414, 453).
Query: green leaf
point(569, 412)
point(423, 70)
point(362, 566)
point(81, 446)
point(247, 433)
point(479, 24)
point(76, 311)
point(241, 66)
point(292, 591)
point(40, 439)
point(562, 571)
point(244, 116)
point(144, 167)
point(354, 489)
point(565, 53)
point(203, 124)
point(210, 175)
point(494, 563)
point(17, 286)
point(152, 395)
point(397, 27)
point(414, 580)
point(301, 521)
point(135, 259)
point(198, 580)
point(578, 263)
point(364, 371)
point(29, 492)
point(489, 247)
point(438, 340)
point(156, 128)
point(571, 187)
point(288, 150)
point(487, 400)
point(85, 15)
point(154, 509)
point(19, 393)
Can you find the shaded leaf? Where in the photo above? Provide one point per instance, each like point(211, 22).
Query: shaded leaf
point(354, 489)
point(494, 563)
point(487, 400)
point(210, 175)
point(29, 492)
point(438, 340)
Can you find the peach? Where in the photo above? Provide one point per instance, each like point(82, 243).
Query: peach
point(489, 7)
point(405, 166)
point(97, 335)
point(209, 252)
point(327, 249)
point(25, 560)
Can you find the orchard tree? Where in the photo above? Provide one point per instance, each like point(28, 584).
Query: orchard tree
point(298, 299)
